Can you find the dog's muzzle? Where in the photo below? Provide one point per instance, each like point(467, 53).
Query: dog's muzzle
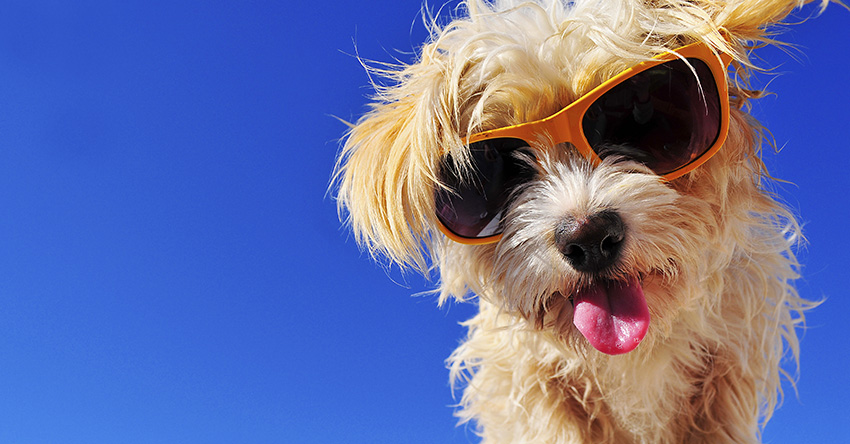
point(611, 314)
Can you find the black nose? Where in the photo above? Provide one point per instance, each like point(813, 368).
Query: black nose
point(593, 243)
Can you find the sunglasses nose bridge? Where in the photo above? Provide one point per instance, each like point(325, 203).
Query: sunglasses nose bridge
point(565, 128)
point(557, 127)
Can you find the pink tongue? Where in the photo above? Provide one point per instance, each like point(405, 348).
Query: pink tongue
point(612, 316)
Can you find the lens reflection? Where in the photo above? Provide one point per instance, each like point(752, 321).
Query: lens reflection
point(472, 205)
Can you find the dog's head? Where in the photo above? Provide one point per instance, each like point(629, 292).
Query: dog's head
point(589, 223)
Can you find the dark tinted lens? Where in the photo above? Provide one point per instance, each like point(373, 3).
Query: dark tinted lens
point(664, 117)
point(473, 205)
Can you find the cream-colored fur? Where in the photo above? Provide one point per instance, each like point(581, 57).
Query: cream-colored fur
point(712, 249)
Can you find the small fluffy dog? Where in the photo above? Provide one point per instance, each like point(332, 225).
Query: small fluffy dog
point(588, 171)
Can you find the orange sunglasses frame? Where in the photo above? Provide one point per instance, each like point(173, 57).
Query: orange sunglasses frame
point(565, 125)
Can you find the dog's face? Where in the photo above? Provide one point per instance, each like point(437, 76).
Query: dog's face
point(591, 252)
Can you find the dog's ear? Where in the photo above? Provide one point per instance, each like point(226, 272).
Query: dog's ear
point(752, 20)
point(386, 172)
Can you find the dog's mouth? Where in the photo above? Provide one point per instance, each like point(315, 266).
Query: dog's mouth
point(611, 315)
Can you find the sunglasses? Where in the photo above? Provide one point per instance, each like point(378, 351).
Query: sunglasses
point(670, 113)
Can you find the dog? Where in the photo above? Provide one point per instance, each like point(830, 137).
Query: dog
point(587, 172)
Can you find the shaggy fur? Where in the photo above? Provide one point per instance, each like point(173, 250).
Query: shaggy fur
point(712, 249)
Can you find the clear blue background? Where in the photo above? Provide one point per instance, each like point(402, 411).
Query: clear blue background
point(172, 270)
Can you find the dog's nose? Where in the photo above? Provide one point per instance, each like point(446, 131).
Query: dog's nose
point(593, 243)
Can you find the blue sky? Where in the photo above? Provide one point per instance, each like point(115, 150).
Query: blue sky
point(172, 270)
